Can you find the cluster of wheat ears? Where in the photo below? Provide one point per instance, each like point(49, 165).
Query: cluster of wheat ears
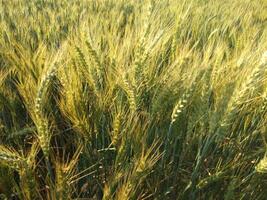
point(133, 99)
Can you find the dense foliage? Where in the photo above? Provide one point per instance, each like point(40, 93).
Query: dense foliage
point(133, 99)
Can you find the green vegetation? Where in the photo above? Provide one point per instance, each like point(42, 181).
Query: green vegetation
point(133, 99)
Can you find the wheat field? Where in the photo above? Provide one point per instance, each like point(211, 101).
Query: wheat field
point(133, 99)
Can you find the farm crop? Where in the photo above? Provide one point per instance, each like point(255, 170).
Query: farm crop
point(133, 99)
